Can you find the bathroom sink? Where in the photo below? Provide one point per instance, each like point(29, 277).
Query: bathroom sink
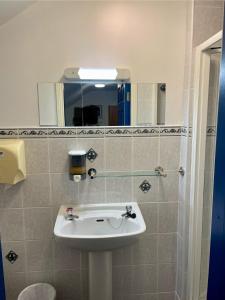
point(99, 227)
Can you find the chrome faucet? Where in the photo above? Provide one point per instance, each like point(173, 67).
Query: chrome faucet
point(70, 215)
point(128, 213)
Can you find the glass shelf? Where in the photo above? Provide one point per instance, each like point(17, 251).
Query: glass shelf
point(128, 174)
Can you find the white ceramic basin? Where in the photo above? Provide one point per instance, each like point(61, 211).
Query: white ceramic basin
point(100, 227)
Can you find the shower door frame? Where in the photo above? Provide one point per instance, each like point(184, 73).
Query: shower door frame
point(200, 107)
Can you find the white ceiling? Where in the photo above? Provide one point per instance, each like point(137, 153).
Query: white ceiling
point(9, 9)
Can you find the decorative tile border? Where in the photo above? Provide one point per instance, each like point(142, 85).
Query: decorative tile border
point(118, 131)
point(95, 132)
point(146, 131)
point(91, 132)
point(8, 133)
point(170, 130)
point(62, 132)
point(33, 132)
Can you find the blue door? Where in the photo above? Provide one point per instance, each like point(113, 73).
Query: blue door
point(2, 288)
point(216, 281)
point(124, 117)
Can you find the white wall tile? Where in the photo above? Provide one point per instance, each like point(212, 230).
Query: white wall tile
point(11, 224)
point(168, 187)
point(119, 189)
point(36, 191)
point(135, 279)
point(118, 154)
point(37, 156)
point(66, 258)
point(168, 216)
point(149, 212)
point(169, 152)
point(11, 196)
point(144, 251)
point(167, 248)
point(68, 285)
point(166, 277)
point(92, 191)
point(39, 255)
point(58, 153)
point(145, 153)
point(38, 223)
point(63, 190)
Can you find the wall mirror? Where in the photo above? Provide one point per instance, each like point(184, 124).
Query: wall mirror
point(101, 103)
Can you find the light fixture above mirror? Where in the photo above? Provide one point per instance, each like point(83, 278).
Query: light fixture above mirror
point(97, 74)
point(99, 85)
point(105, 74)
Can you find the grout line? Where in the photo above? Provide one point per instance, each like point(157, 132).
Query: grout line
point(104, 168)
point(157, 252)
point(24, 235)
point(51, 212)
point(143, 265)
point(132, 168)
point(52, 238)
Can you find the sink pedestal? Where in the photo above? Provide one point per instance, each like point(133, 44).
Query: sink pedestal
point(100, 275)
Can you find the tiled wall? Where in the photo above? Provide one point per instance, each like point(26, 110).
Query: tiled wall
point(146, 270)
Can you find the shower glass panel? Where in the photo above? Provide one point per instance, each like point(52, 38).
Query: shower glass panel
point(215, 56)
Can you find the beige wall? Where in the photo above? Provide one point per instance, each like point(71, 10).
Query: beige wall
point(208, 19)
point(37, 45)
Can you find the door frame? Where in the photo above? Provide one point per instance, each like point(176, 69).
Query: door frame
point(200, 106)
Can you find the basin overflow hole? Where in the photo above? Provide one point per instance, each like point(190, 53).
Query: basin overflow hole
point(100, 220)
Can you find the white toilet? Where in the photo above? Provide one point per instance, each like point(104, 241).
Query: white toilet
point(43, 291)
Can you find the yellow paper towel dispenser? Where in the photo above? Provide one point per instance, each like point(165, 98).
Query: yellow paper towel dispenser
point(12, 161)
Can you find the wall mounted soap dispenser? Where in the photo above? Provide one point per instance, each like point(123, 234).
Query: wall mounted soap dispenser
point(77, 169)
point(12, 161)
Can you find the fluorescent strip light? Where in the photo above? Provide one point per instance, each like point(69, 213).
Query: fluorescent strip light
point(99, 74)
point(100, 85)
